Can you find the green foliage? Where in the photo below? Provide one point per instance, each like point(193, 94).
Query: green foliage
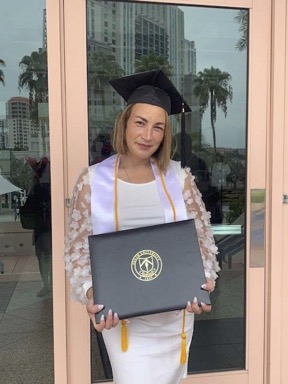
point(2, 77)
point(237, 172)
point(214, 90)
point(101, 69)
point(198, 142)
point(34, 79)
point(19, 147)
point(242, 18)
point(20, 173)
point(236, 208)
point(154, 62)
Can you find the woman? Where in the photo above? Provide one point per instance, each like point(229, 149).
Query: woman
point(133, 177)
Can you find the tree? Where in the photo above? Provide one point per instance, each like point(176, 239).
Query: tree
point(20, 173)
point(236, 208)
point(213, 88)
point(153, 62)
point(241, 17)
point(237, 172)
point(101, 69)
point(34, 79)
point(2, 77)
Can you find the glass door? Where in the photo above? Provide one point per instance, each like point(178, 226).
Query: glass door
point(26, 296)
point(187, 43)
point(209, 52)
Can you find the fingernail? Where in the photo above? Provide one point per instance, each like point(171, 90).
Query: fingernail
point(189, 303)
point(115, 316)
point(110, 312)
point(204, 286)
point(102, 318)
point(202, 304)
point(195, 300)
point(100, 307)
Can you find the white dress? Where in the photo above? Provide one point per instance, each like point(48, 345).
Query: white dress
point(154, 341)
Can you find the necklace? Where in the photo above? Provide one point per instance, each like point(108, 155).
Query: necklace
point(127, 174)
point(161, 180)
point(132, 182)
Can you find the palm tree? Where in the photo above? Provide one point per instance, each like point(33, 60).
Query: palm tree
point(213, 88)
point(242, 18)
point(151, 62)
point(34, 79)
point(2, 77)
point(101, 69)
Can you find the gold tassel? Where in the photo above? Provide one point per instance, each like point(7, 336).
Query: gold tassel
point(183, 356)
point(124, 337)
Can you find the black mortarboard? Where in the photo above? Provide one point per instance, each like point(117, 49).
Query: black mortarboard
point(155, 88)
point(152, 87)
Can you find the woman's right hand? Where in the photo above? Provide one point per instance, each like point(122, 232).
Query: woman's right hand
point(92, 309)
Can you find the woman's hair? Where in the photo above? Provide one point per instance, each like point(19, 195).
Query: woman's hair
point(163, 153)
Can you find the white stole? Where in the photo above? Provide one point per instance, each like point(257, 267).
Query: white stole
point(103, 195)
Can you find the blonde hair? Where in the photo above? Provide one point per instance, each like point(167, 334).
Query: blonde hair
point(119, 144)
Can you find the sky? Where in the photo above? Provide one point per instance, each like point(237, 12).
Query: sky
point(21, 24)
point(213, 29)
point(215, 33)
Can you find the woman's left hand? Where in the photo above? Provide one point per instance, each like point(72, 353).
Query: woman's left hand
point(194, 306)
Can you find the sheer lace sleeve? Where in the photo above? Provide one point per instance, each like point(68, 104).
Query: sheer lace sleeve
point(196, 210)
point(77, 261)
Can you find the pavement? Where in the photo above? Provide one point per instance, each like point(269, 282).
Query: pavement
point(26, 321)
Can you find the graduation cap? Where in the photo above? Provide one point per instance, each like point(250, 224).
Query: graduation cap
point(155, 88)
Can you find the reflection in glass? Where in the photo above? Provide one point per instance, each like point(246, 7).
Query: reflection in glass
point(204, 52)
point(257, 228)
point(26, 328)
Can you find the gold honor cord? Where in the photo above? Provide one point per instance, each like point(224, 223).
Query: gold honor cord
point(124, 333)
point(183, 356)
point(116, 193)
point(124, 337)
point(168, 196)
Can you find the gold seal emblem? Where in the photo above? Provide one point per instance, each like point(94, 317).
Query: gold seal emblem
point(146, 265)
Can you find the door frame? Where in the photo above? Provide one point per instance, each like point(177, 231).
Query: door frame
point(66, 35)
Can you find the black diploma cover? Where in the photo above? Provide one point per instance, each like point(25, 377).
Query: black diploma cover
point(147, 270)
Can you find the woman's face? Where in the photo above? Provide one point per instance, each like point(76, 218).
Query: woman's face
point(145, 130)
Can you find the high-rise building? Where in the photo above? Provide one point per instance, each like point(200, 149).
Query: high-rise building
point(189, 57)
point(44, 32)
point(193, 120)
point(18, 122)
point(127, 32)
point(150, 38)
point(3, 134)
point(102, 40)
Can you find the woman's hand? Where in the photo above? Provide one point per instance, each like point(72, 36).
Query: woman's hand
point(209, 286)
point(194, 306)
point(92, 309)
